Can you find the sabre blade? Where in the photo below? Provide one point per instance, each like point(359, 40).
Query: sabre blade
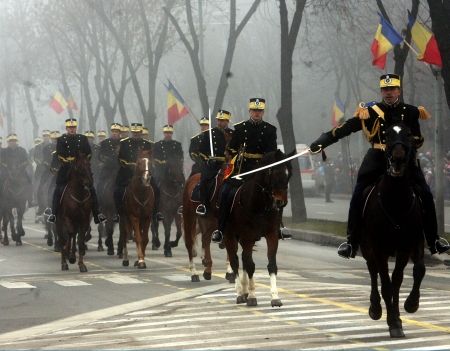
point(210, 134)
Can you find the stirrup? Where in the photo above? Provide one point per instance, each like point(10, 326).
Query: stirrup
point(51, 218)
point(441, 245)
point(343, 250)
point(201, 210)
point(48, 211)
point(116, 218)
point(217, 236)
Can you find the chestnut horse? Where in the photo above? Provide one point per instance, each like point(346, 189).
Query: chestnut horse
point(392, 226)
point(256, 213)
point(138, 202)
point(74, 213)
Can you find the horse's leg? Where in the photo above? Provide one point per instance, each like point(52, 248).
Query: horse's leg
point(272, 268)
point(231, 245)
point(375, 310)
point(412, 301)
point(206, 249)
point(155, 236)
point(145, 227)
point(12, 226)
point(123, 240)
point(20, 213)
point(189, 223)
point(6, 219)
point(109, 230)
point(179, 232)
point(140, 263)
point(82, 250)
point(395, 327)
point(168, 218)
point(49, 234)
point(229, 275)
point(248, 266)
point(73, 248)
point(101, 233)
point(65, 247)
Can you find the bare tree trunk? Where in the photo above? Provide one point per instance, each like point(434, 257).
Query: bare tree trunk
point(31, 111)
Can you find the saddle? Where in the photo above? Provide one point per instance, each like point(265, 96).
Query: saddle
point(212, 186)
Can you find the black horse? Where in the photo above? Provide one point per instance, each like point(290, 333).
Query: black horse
point(392, 226)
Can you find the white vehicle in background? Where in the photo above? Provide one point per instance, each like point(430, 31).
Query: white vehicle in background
point(311, 181)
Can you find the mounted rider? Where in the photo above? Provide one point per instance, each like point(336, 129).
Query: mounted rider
point(108, 153)
point(250, 141)
point(90, 135)
point(374, 119)
point(68, 147)
point(101, 135)
point(212, 164)
point(194, 147)
point(128, 153)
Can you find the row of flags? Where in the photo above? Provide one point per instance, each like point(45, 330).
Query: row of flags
point(386, 37)
point(58, 103)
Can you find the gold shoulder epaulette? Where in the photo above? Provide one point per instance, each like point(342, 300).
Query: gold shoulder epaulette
point(238, 123)
point(423, 113)
point(124, 138)
point(362, 111)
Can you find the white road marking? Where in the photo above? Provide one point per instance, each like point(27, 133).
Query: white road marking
point(325, 213)
point(17, 285)
point(71, 282)
point(116, 279)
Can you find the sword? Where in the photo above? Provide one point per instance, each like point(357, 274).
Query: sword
point(272, 164)
point(210, 134)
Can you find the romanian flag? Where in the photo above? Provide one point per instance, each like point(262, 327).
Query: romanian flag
point(385, 39)
point(426, 43)
point(71, 104)
point(58, 103)
point(176, 107)
point(337, 112)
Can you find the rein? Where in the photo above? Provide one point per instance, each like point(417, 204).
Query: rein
point(389, 217)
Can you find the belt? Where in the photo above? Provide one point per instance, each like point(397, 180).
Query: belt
point(161, 162)
point(214, 158)
point(67, 159)
point(250, 155)
point(379, 146)
point(126, 163)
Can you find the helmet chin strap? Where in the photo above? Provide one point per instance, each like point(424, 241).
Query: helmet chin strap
point(393, 104)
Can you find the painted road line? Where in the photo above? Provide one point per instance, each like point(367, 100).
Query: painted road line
point(71, 282)
point(17, 285)
point(117, 279)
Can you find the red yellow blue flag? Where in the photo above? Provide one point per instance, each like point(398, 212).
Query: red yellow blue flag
point(386, 37)
point(425, 42)
point(337, 112)
point(176, 106)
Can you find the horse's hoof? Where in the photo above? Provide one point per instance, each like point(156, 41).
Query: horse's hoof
point(46, 236)
point(276, 303)
point(5, 242)
point(252, 302)
point(22, 232)
point(230, 277)
point(396, 332)
point(136, 263)
point(72, 259)
point(125, 263)
point(19, 243)
point(173, 243)
point(154, 247)
point(241, 299)
point(49, 241)
point(195, 278)
point(221, 245)
point(83, 268)
point(119, 255)
point(156, 244)
point(167, 253)
point(57, 248)
point(110, 251)
point(375, 312)
point(411, 305)
point(64, 267)
point(207, 275)
point(100, 248)
point(141, 265)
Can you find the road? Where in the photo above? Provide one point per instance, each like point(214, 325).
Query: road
point(113, 307)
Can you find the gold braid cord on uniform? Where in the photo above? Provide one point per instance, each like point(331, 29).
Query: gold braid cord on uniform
point(423, 113)
point(375, 129)
point(362, 112)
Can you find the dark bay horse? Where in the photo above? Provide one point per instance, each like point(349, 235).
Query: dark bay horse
point(74, 214)
point(137, 210)
point(256, 213)
point(16, 188)
point(392, 226)
point(171, 198)
point(106, 201)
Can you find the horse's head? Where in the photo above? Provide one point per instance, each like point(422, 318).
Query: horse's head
point(174, 171)
point(143, 167)
point(276, 179)
point(399, 148)
point(81, 170)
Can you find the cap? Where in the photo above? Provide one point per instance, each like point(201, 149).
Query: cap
point(257, 104)
point(124, 129)
point(101, 133)
point(390, 80)
point(204, 121)
point(136, 127)
point(223, 115)
point(37, 141)
point(144, 131)
point(71, 122)
point(115, 126)
point(12, 137)
point(45, 132)
point(55, 134)
point(89, 134)
point(168, 128)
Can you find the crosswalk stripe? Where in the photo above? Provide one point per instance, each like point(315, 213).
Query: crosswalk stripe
point(122, 280)
point(74, 282)
point(17, 285)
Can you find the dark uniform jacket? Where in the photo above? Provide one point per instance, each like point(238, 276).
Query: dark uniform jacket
point(374, 119)
point(220, 138)
point(259, 138)
point(68, 147)
point(162, 151)
point(14, 157)
point(194, 153)
point(128, 153)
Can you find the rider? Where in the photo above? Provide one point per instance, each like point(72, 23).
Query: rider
point(90, 135)
point(374, 119)
point(101, 135)
point(124, 131)
point(250, 141)
point(145, 134)
point(195, 144)
point(211, 165)
point(16, 156)
point(128, 154)
point(68, 146)
point(108, 152)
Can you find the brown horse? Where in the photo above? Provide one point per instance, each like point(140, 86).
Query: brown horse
point(74, 214)
point(392, 226)
point(257, 212)
point(137, 210)
point(194, 225)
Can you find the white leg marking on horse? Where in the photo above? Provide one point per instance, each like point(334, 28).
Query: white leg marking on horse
point(244, 282)
point(229, 269)
point(273, 286)
point(192, 267)
point(251, 287)
point(141, 260)
point(238, 285)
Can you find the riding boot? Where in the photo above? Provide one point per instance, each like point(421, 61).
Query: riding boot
point(98, 216)
point(59, 188)
point(226, 201)
point(202, 208)
point(118, 197)
point(156, 191)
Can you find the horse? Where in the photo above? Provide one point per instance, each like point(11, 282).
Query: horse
point(44, 195)
point(256, 213)
point(392, 226)
point(138, 202)
point(106, 202)
point(204, 225)
point(15, 194)
point(74, 213)
point(171, 198)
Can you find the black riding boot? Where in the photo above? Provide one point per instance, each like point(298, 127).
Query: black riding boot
point(98, 216)
point(156, 214)
point(202, 209)
point(59, 188)
point(226, 201)
point(118, 197)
